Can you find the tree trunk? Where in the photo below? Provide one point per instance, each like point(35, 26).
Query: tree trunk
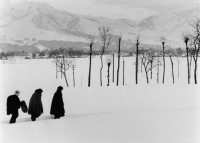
point(73, 78)
point(118, 61)
point(147, 75)
point(141, 65)
point(101, 57)
point(195, 72)
point(108, 74)
point(89, 76)
point(123, 72)
point(136, 63)
point(158, 70)
point(113, 68)
point(151, 68)
point(163, 62)
point(195, 57)
point(64, 70)
point(66, 79)
point(188, 66)
point(172, 68)
point(101, 69)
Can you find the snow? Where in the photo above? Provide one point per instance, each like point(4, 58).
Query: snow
point(143, 113)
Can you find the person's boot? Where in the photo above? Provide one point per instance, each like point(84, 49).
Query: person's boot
point(33, 118)
point(57, 117)
point(13, 119)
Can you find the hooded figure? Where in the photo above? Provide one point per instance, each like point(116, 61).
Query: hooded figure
point(13, 104)
point(35, 105)
point(57, 105)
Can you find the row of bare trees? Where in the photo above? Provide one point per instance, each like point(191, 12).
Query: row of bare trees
point(149, 59)
point(192, 43)
point(106, 39)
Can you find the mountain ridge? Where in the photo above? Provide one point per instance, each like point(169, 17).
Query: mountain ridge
point(43, 22)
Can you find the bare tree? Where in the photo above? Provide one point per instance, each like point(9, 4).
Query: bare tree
point(123, 71)
point(113, 68)
point(158, 63)
point(106, 39)
point(90, 39)
point(163, 40)
point(63, 63)
point(172, 67)
point(136, 63)
point(186, 38)
point(119, 52)
point(73, 66)
point(147, 57)
point(151, 67)
point(195, 39)
point(190, 58)
point(108, 61)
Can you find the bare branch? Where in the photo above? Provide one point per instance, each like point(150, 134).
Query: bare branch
point(105, 36)
point(90, 38)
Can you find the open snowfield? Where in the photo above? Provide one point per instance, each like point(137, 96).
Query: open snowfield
point(143, 113)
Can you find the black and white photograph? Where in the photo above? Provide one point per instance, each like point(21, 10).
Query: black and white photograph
point(99, 71)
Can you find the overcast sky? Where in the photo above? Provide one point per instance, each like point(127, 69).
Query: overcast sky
point(113, 8)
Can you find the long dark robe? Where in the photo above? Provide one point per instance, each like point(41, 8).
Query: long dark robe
point(57, 105)
point(35, 105)
point(13, 104)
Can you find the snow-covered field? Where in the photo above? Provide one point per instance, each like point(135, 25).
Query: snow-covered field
point(143, 113)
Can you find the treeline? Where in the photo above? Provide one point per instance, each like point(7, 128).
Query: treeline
point(12, 54)
point(168, 51)
point(80, 53)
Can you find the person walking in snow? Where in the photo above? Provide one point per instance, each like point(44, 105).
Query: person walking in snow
point(13, 104)
point(57, 105)
point(35, 105)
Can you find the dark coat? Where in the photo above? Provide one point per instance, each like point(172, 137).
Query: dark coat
point(35, 104)
point(57, 105)
point(13, 104)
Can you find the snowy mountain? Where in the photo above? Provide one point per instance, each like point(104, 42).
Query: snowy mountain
point(41, 21)
point(172, 22)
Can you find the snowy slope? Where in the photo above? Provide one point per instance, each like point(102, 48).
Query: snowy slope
point(93, 115)
point(19, 21)
point(172, 23)
point(133, 113)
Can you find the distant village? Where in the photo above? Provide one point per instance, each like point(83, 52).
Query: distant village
point(40, 51)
